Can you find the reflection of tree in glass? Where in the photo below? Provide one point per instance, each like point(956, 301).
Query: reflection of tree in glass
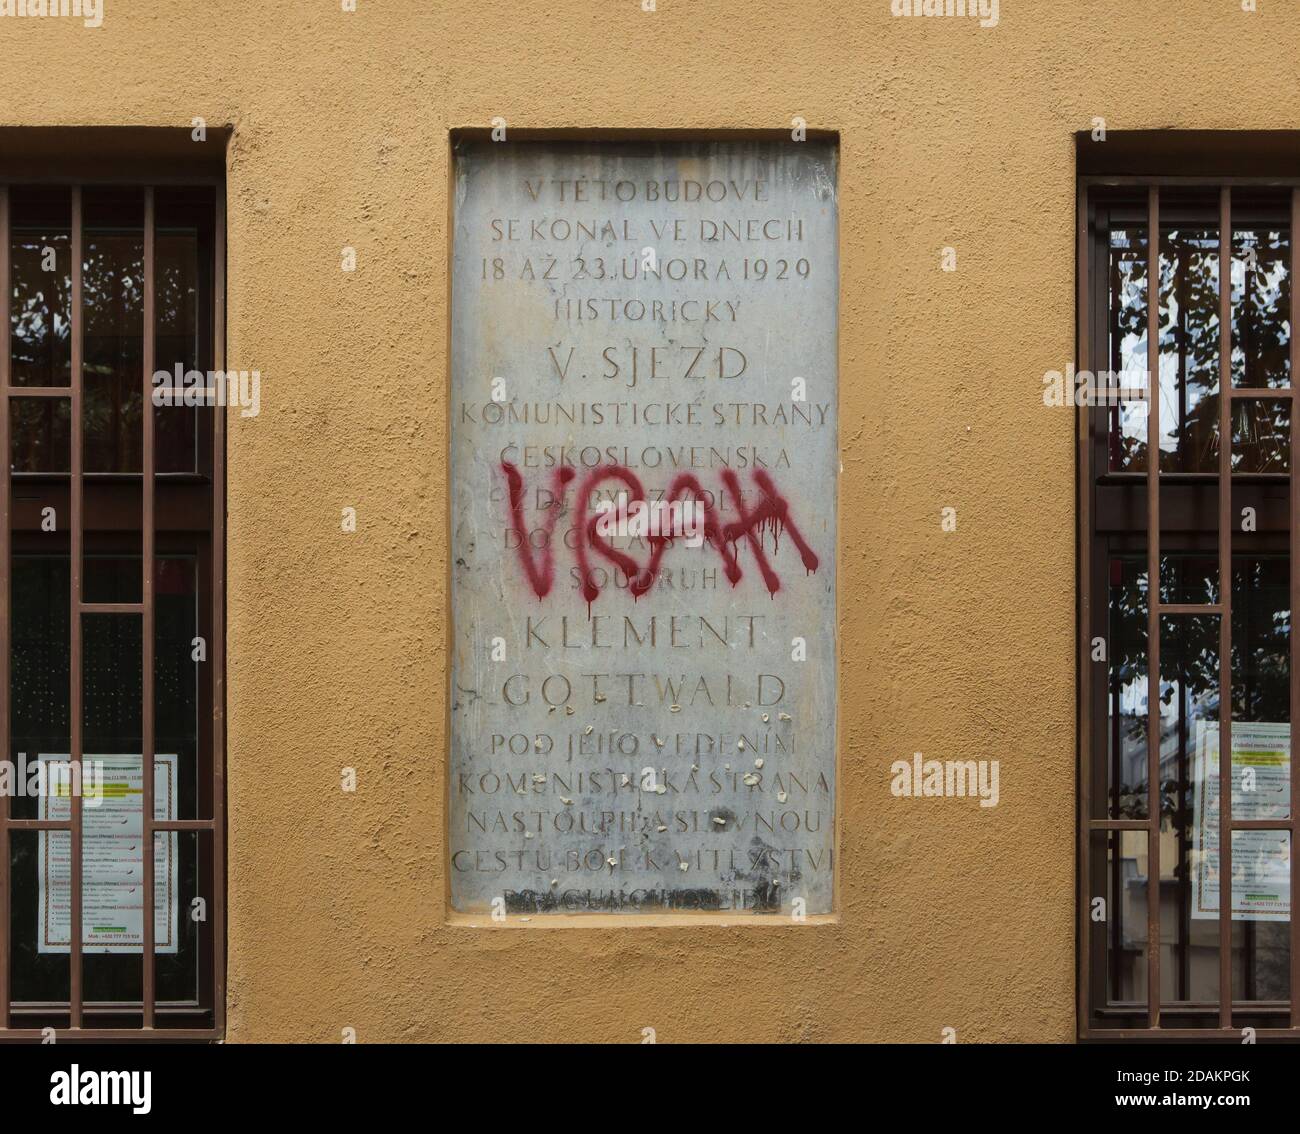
point(1261, 627)
point(114, 308)
point(1261, 347)
point(1189, 347)
point(39, 307)
point(1261, 304)
point(1190, 340)
point(1128, 332)
point(1128, 675)
point(40, 345)
point(40, 324)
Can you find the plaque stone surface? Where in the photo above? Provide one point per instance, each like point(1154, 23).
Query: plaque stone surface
point(643, 523)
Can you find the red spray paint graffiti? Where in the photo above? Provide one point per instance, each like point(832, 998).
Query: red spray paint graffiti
point(771, 514)
point(540, 575)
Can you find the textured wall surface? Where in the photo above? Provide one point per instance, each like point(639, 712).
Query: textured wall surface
point(957, 644)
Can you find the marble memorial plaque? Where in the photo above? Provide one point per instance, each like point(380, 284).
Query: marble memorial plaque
point(643, 521)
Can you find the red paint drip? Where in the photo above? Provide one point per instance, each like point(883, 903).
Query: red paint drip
point(541, 575)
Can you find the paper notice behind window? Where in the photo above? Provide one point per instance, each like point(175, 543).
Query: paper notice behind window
point(112, 905)
point(1261, 789)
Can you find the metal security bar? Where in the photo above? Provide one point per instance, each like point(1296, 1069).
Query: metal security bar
point(1167, 1021)
point(77, 1011)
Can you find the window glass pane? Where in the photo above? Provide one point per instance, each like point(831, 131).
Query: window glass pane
point(39, 662)
point(177, 679)
point(40, 345)
point(1120, 872)
point(34, 976)
point(1188, 578)
point(1261, 435)
point(1261, 639)
point(1127, 283)
point(39, 682)
point(1189, 695)
point(1261, 899)
point(1127, 690)
point(1261, 300)
point(113, 310)
point(1189, 345)
point(183, 873)
point(41, 435)
point(111, 712)
point(40, 303)
point(183, 327)
point(1261, 694)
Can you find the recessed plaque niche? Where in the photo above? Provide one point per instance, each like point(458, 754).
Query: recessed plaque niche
point(643, 521)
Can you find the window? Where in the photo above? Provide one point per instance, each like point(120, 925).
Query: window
point(1191, 681)
point(111, 635)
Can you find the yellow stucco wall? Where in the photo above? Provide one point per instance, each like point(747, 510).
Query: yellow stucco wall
point(959, 645)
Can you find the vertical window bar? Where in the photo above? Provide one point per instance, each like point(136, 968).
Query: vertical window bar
point(5, 291)
point(1153, 608)
point(1225, 601)
point(217, 647)
point(1294, 540)
point(74, 572)
point(147, 615)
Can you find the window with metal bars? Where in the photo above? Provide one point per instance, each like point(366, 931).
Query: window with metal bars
point(1186, 659)
point(112, 882)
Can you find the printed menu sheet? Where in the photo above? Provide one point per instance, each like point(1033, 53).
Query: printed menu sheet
point(112, 906)
point(1261, 789)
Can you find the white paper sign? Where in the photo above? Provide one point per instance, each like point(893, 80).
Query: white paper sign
point(112, 904)
point(1261, 789)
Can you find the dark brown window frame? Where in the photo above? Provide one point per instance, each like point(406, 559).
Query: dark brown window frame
point(143, 159)
point(1092, 437)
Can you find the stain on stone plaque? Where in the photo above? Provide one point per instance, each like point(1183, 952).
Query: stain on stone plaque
point(644, 466)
